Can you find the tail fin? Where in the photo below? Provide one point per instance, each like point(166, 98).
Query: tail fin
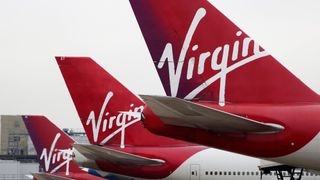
point(109, 112)
point(200, 54)
point(53, 146)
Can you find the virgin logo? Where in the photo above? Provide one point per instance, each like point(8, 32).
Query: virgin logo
point(115, 124)
point(240, 56)
point(56, 157)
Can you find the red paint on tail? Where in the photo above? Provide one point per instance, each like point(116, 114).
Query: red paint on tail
point(200, 54)
point(109, 112)
point(53, 146)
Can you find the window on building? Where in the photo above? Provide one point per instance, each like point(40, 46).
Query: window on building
point(16, 124)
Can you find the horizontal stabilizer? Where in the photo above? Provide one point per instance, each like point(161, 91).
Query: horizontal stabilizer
point(46, 176)
point(179, 112)
point(95, 152)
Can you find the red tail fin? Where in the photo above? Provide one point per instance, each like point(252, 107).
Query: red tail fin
point(109, 112)
point(200, 54)
point(53, 146)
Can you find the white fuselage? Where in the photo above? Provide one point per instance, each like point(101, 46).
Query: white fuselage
point(215, 164)
point(221, 165)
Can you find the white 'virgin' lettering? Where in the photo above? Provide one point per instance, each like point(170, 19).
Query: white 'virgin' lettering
point(241, 56)
point(62, 157)
point(116, 123)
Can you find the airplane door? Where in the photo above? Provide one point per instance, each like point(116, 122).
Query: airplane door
point(194, 172)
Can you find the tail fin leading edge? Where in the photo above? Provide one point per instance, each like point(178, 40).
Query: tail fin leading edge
point(200, 54)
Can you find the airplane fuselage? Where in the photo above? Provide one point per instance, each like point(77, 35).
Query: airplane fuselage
point(206, 164)
point(296, 145)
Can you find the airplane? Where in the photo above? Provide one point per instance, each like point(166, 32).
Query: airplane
point(54, 151)
point(120, 142)
point(223, 89)
point(121, 145)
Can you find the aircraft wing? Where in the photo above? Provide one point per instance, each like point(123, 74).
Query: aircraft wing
point(46, 176)
point(179, 112)
point(95, 152)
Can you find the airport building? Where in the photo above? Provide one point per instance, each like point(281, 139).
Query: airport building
point(14, 138)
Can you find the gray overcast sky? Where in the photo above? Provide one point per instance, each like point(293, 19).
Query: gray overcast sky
point(34, 31)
